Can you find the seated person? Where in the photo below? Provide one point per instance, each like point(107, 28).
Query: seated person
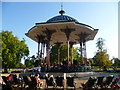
point(46, 76)
point(106, 81)
point(91, 80)
point(39, 83)
point(31, 75)
point(114, 84)
point(84, 84)
point(52, 79)
point(9, 78)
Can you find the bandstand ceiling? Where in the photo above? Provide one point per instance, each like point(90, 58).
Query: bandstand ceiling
point(58, 35)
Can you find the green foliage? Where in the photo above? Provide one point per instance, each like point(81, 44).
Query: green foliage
point(29, 62)
point(20, 65)
point(100, 44)
point(75, 54)
point(101, 58)
point(53, 54)
point(63, 53)
point(91, 62)
point(13, 50)
point(116, 61)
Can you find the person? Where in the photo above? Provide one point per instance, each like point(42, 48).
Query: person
point(47, 76)
point(52, 79)
point(114, 84)
point(31, 75)
point(39, 69)
point(106, 81)
point(85, 84)
point(39, 83)
point(9, 78)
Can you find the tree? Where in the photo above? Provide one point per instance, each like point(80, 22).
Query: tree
point(13, 50)
point(30, 61)
point(116, 61)
point(101, 58)
point(91, 62)
point(53, 54)
point(63, 53)
point(100, 44)
point(20, 65)
point(78, 58)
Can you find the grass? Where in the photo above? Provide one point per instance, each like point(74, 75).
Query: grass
point(17, 70)
point(94, 69)
point(97, 69)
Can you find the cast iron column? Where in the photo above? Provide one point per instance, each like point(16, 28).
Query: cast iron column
point(81, 45)
point(71, 45)
point(67, 32)
point(58, 46)
point(40, 38)
point(82, 40)
point(38, 49)
point(48, 54)
point(48, 35)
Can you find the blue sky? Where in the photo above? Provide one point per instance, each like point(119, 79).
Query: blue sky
point(19, 17)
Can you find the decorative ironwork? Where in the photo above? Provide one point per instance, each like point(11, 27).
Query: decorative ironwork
point(49, 33)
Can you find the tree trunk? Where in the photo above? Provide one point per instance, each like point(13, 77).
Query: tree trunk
point(5, 70)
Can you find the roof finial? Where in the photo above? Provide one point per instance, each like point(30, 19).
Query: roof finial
point(61, 5)
point(62, 11)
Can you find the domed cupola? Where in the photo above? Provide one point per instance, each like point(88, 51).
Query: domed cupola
point(62, 18)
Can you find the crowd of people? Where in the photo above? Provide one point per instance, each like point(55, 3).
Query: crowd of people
point(9, 81)
point(110, 81)
point(103, 82)
point(63, 67)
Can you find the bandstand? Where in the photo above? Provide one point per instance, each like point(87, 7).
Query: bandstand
point(61, 30)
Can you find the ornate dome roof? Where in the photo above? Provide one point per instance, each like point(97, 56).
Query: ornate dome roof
point(62, 18)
